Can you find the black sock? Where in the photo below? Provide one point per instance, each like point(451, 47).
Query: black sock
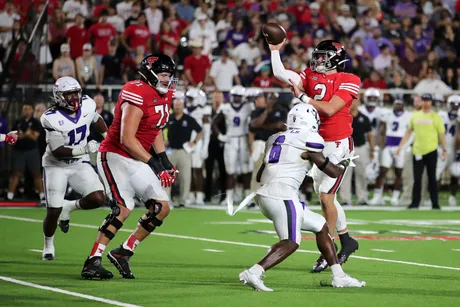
point(344, 238)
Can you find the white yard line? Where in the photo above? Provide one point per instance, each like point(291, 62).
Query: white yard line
point(36, 250)
point(85, 296)
point(240, 243)
point(213, 250)
point(382, 250)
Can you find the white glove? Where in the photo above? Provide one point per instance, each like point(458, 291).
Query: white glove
point(222, 137)
point(92, 146)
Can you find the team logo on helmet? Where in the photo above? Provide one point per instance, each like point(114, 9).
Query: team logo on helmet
point(337, 46)
point(152, 60)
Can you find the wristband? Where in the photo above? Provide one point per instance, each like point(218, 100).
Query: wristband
point(163, 157)
point(78, 151)
point(323, 166)
point(155, 164)
point(2, 137)
point(304, 98)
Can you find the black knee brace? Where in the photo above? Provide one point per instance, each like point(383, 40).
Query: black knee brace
point(111, 219)
point(151, 216)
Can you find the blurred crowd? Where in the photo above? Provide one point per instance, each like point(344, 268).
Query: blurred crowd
point(391, 44)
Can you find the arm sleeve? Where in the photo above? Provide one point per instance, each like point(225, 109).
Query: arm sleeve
point(280, 72)
point(348, 88)
point(314, 142)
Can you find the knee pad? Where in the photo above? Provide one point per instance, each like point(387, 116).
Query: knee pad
point(151, 216)
point(111, 219)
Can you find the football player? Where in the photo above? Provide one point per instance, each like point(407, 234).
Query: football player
point(373, 111)
point(393, 126)
point(331, 92)
point(132, 162)
point(195, 102)
point(284, 168)
point(238, 144)
point(450, 119)
point(66, 160)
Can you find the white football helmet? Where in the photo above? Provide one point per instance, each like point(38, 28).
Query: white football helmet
point(253, 92)
point(303, 116)
point(194, 97)
point(295, 101)
point(237, 94)
point(453, 103)
point(372, 170)
point(64, 87)
point(372, 97)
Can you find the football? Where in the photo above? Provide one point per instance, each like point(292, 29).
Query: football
point(274, 33)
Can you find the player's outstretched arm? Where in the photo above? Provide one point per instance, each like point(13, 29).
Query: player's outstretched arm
point(9, 138)
point(287, 76)
point(329, 168)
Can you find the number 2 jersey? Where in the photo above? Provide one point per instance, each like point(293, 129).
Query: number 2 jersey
point(322, 87)
point(71, 131)
point(155, 108)
point(284, 165)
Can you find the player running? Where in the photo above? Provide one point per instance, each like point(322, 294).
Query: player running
point(393, 126)
point(238, 144)
point(450, 119)
point(66, 160)
point(281, 174)
point(133, 162)
point(195, 102)
point(332, 95)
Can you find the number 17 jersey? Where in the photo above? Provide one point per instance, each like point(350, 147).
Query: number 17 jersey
point(322, 87)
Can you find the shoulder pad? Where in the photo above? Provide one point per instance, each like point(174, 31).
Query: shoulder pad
point(314, 142)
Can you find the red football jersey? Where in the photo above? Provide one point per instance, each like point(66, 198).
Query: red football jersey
point(322, 87)
point(156, 114)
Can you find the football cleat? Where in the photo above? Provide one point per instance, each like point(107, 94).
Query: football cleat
point(349, 248)
point(346, 282)
point(92, 269)
point(253, 281)
point(320, 265)
point(395, 202)
point(120, 259)
point(376, 201)
point(48, 254)
point(64, 225)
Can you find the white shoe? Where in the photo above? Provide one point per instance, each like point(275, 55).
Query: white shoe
point(376, 201)
point(199, 199)
point(253, 281)
point(395, 202)
point(346, 282)
point(48, 253)
point(452, 200)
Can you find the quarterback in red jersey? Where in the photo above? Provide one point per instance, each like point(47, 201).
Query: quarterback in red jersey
point(132, 162)
point(332, 93)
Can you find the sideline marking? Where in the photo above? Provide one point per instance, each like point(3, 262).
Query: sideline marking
point(88, 297)
point(241, 244)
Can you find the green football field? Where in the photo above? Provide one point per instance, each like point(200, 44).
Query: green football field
point(407, 258)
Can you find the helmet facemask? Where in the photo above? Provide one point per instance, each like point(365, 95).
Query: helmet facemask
point(236, 100)
point(69, 100)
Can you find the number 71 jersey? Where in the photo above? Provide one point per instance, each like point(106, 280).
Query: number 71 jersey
point(155, 109)
point(322, 87)
point(71, 131)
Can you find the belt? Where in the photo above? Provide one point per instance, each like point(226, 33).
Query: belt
point(70, 161)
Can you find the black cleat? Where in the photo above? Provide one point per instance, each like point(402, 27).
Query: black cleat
point(64, 225)
point(349, 248)
point(48, 257)
point(120, 259)
point(92, 269)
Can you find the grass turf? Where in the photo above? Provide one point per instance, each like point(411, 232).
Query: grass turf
point(173, 268)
